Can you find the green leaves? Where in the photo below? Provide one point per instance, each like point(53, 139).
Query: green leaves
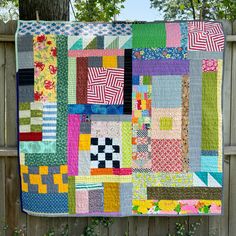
point(97, 10)
point(205, 9)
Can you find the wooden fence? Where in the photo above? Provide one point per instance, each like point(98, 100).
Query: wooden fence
point(11, 217)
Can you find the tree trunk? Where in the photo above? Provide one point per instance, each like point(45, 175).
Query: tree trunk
point(193, 9)
point(47, 9)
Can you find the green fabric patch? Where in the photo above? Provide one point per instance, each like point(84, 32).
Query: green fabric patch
point(24, 106)
point(147, 80)
point(36, 128)
point(38, 147)
point(126, 144)
point(166, 123)
point(71, 194)
point(209, 111)
point(36, 113)
point(145, 35)
point(92, 44)
point(25, 121)
point(72, 80)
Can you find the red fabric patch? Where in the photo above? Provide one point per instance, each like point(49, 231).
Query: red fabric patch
point(32, 136)
point(81, 80)
point(166, 155)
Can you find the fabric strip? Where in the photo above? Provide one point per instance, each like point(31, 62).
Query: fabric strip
point(128, 82)
point(184, 193)
point(195, 115)
point(81, 80)
point(95, 109)
point(96, 52)
point(26, 76)
point(31, 136)
point(72, 144)
point(160, 67)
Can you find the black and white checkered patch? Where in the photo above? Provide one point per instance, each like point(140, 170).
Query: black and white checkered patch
point(104, 153)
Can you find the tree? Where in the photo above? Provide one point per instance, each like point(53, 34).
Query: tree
point(47, 9)
point(97, 10)
point(196, 9)
point(9, 10)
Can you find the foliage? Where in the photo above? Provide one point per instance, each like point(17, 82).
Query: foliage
point(196, 9)
point(182, 229)
point(97, 10)
point(9, 9)
point(90, 229)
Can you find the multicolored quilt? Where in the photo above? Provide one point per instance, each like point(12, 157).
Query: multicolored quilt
point(120, 119)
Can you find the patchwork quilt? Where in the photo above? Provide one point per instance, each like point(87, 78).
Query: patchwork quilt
point(120, 119)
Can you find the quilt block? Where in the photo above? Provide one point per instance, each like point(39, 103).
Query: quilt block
point(120, 119)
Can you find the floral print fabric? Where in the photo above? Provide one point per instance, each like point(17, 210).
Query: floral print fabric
point(45, 68)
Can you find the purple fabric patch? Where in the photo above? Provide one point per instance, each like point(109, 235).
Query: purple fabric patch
point(96, 199)
point(160, 67)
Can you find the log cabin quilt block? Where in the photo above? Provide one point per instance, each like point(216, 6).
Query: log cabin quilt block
point(120, 119)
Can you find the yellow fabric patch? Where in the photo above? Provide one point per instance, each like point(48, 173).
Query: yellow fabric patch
point(104, 178)
point(24, 170)
point(84, 142)
point(165, 123)
point(111, 197)
point(36, 179)
point(45, 68)
point(43, 170)
point(109, 61)
point(62, 188)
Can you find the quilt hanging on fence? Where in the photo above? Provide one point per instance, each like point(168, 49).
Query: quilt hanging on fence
point(120, 119)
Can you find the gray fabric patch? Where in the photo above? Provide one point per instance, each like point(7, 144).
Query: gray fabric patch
point(25, 60)
point(85, 127)
point(120, 62)
point(94, 61)
point(200, 55)
point(26, 93)
point(142, 148)
point(111, 118)
point(195, 115)
point(84, 163)
point(96, 199)
point(126, 198)
point(25, 43)
point(142, 133)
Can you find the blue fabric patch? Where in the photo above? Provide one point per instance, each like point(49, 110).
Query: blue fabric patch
point(166, 91)
point(95, 109)
point(135, 80)
point(209, 163)
point(159, 53)
point(45, 203)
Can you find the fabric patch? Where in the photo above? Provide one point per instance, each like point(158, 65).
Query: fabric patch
point(143, 39)
point(45, 70)
point(209, 65)
point(166, 91)
point(49, 121)
point(205, 36)
point(166, 155)
point(183, 193)
point(111, 197)
point(105, 86)
point(173, 114)
point(105, 153)
point(173, 35)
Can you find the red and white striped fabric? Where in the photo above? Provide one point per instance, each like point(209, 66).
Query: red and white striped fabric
point(205, 36)
point(105, 85)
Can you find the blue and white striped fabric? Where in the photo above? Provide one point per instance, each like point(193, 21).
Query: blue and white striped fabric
point(49, 121)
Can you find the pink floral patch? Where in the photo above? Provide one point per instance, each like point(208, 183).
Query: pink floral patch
point(209, 65)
